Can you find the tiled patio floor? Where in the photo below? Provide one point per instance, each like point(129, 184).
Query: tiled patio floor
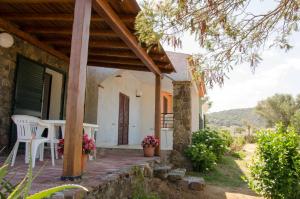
point(98, 171)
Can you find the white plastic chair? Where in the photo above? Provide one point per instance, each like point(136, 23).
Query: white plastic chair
point(29, 130)
point(52, 140)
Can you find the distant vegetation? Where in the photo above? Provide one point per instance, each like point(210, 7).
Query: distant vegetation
point(236, 117)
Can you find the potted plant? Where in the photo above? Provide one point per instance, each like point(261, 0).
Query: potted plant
point(149, 144)
point(88, 146)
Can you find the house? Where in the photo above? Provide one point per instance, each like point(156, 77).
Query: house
point(79, 61)
point(106, 89)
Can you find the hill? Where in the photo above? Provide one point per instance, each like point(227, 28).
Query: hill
point(235, 117)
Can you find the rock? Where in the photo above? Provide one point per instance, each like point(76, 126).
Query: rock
point(183, 184)
point(176, 174)
point(148, 171)
point(194, 183)
point(161, 171)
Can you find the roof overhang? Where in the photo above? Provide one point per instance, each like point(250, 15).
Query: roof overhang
point(47, 24)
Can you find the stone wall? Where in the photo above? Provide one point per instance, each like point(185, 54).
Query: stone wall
point(8, 60)
point(182, 131)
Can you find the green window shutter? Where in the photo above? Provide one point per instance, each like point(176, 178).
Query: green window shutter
point(29, 88)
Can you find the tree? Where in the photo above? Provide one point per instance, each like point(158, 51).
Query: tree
point(278, 108)
point(295, 121)
point(229, 31)
point(248, 126)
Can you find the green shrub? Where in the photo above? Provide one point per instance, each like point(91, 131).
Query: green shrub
point(250, 139)
point(201, 157)
point(227, 137)
point(212, 139)
point(238, 154)
point(275, 170)
point(238, 143)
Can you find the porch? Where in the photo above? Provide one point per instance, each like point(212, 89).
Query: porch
point(106, 32)
point(109, 168)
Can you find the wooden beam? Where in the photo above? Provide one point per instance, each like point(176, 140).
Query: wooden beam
point(117, 60)
point(126, 54)
point(113, 20)
point(130, 61)
point(76, 90)
point(118, 53)
point(99, 63)
point(157, 115)
point(12, 28)
point(68, 32)
point(92, 44)
point(117, 66)
point(58, 17)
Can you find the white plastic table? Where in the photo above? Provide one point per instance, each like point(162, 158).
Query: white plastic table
point(89, 129)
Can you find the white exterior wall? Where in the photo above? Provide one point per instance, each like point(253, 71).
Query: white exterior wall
point(108, 109)
point(195, 109)
point(141, 109)
point(148, 110)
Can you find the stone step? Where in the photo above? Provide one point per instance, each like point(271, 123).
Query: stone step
point(161, 171)
point(176, 174)
point(192, 183)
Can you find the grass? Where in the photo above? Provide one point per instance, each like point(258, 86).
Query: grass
point(229, 173)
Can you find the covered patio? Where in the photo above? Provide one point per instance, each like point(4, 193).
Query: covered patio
point(85, 32)
point(111, 166)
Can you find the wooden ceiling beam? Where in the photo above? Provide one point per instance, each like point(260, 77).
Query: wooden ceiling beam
point(134, 62)
point(58, 17)
point(124, 66)
point(117, 66)
point(68, 32)
point(119, 60)
point(123, 54)
point(118, 53)
point(92, 44)
point(103, 8)
point(13, 29)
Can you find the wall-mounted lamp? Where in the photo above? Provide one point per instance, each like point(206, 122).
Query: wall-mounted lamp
point(139, 93)
point(6, 40)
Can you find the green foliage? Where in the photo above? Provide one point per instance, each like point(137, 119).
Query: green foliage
point(202, 158)
point(278, 108)
point(238, 143)
point(48, 192)
point(229, 31)
point(208, 147)
point(250, 138)
point(295, 121)
point(227, 173)
point(238, 154)
point(275, 170)
point(212, 139)
point(227, 137)
point(21, 190)
point(139, 189)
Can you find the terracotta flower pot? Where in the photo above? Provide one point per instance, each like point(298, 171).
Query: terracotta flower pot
point(149, 151)
point(84, 158)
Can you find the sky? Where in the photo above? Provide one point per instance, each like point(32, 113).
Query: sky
point(279, 72)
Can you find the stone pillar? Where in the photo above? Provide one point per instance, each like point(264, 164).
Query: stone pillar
point(182, 132)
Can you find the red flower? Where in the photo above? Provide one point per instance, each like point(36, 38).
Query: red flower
point(88, 145)
point(150, 141)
